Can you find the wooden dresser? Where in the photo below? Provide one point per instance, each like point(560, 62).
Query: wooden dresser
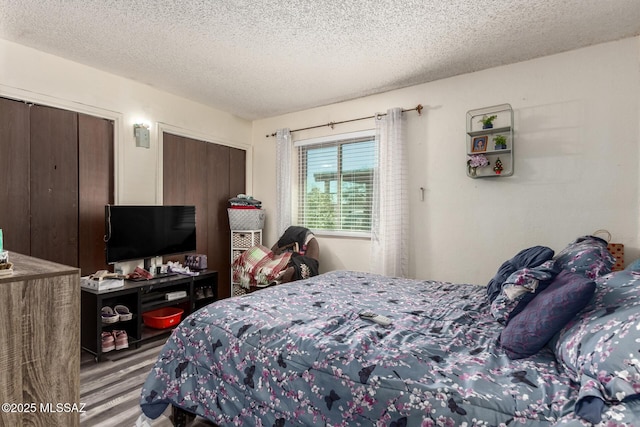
point(40, 344)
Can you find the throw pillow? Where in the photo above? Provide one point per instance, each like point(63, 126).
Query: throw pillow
point(528, 332)
point(587, 255)
point(602, 344)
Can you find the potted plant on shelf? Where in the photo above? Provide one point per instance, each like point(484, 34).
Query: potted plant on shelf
point(500, 141)
point(498, 167)
point(487, 121)
point(475, 161)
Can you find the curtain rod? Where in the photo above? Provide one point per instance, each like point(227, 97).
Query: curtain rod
point(332, 124)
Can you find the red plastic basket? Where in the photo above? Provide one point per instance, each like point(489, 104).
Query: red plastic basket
point(162, 318)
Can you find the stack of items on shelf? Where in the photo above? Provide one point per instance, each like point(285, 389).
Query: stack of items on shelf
point(196, 262)
point(176, 267)
point(242, 201)
point(6, 268)
point(102, 280)
point(245, 213)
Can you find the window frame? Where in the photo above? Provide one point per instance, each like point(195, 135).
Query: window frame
point(331, 140)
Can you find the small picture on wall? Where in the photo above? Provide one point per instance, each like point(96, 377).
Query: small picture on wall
point(479, 144)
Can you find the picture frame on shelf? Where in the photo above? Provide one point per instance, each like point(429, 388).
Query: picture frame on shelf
point(479, 144)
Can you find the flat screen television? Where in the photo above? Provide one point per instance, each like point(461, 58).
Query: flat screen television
point(144, 232)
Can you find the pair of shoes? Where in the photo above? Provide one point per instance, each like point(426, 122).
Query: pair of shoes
point(114, 340)
point(199, 293)
point(108, 342)
point(208, 292)
point(109, 316)
point(121, 313)
point(121, 339)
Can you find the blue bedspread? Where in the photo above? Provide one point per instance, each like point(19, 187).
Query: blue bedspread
point(299, 354)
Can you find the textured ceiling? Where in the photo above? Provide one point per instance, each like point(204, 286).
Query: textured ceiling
point(258, 59)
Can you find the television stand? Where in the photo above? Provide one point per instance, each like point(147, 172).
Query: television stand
point(140, 297)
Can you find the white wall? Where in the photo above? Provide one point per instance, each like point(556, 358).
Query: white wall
point(577, 143)
point(577, 121)
point(31, 75)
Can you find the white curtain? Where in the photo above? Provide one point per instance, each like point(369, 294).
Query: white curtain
point(283, 177)
point(390, 222)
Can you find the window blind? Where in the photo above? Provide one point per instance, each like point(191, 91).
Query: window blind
point(335, 182)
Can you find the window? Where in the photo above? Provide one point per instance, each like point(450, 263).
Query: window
point(335, 182)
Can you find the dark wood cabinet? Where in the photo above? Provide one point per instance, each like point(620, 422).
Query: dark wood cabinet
point(59, 176)
point(206, 175)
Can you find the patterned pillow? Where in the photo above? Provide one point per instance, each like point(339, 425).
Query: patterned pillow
point(600, 348)
point(530, 257)
point(520, 288)
point(528, 332)
point(587, 255)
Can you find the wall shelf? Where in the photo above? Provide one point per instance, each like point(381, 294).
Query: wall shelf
point(492, 131)
point(481, 141)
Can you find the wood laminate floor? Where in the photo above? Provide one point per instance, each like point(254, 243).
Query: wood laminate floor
point(111, 388)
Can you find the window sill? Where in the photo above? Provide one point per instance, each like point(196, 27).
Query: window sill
point(338, 233)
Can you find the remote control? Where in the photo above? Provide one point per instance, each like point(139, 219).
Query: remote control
point(377, 318)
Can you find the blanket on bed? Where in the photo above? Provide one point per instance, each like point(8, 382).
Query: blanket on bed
point(299, 354)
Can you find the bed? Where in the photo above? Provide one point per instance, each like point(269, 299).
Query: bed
point(453, 355)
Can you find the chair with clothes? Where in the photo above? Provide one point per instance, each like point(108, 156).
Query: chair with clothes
point(293, 257)
point(305, 253)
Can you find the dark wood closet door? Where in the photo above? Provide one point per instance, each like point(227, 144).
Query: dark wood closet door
point(95, 185)
point(173, 166)
point(205, 175)
point(195, 190)
point(14, 175)
point(237, 173)
point(54, 184)
point(218, 219)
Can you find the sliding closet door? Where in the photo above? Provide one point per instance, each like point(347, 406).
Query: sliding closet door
point(218, 220)
point(195, 190)
point(14, 175)
point(237, 174)
point(58, 174)
point(205, 175)
point(54, 184)
point(173, 167)
point(95, 188)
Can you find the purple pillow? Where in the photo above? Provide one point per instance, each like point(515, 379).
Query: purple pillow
point(529, 331)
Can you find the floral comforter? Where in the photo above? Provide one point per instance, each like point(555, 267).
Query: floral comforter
point(300, 354)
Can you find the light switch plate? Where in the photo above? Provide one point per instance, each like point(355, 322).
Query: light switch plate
point(142, 136)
